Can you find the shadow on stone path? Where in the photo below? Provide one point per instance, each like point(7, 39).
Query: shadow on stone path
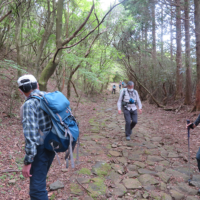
point(143, 168)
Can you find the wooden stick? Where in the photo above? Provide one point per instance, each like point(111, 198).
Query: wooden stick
point(82, 186)
point(10, 170)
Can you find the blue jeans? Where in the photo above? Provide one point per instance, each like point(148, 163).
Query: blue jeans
point(39, 169)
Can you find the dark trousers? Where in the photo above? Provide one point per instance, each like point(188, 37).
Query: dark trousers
point(39, 169)
point(120, 86)
point(113, 91)
point(131, 120)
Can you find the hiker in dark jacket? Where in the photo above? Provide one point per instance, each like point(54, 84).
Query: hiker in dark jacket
point(129, 99)
point(113, 89)
point(36, 125)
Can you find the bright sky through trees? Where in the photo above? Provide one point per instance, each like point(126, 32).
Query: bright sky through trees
point(106, 3)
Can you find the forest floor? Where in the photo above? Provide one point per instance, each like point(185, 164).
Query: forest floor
point(153, 165)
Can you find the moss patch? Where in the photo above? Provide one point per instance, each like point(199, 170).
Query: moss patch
point(103, 171)
point(95, 129)
point(91, 120)
point(103, 124)
point(75, 189)
point(97, 187)
point(85, 171)
point(147, 152)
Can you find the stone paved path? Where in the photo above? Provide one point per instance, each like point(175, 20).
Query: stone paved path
point(143, 168)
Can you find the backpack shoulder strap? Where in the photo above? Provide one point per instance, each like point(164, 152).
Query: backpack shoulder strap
point(124, 90)
point(38, 96)
point(135, 96)
point(128, 92)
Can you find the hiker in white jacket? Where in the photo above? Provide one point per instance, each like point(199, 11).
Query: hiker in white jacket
point(129, 100)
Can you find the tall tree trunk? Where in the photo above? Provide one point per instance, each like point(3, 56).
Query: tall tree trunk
point(8, 41)
point(18, 26)
point(197, 34)
point(162, 32)
point(154, 32)
point(51, 66)
point(67, 20)
point(140, 54)
point(145, 36)
point(59, 28)
point(188, 90)
point(171, 34)
point(179, 74)
point(45, 37)
point(67, 35)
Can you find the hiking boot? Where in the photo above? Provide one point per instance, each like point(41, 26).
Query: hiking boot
point(128, 138)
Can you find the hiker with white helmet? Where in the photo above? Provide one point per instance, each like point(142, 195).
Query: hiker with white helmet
point(36, 125)
point(128, 101)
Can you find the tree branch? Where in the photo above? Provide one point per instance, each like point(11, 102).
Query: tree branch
point(5, 4)
point(8, 13)
point(87, 34)
point(74, 88)
point(80, 27)
point(74, 34)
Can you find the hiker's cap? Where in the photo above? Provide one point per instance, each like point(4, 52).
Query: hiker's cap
point(130, 83)
point(26, 79)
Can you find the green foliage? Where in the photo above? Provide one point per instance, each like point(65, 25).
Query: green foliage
point(96, 69)
point(21, 177)
point(3, 177)
point(7, 64)
point(53, 196)
point(117, 77)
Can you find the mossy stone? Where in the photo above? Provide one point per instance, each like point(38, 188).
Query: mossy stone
point(75, 189)
point(97, 187)
point(103, 170)
point(85, 171)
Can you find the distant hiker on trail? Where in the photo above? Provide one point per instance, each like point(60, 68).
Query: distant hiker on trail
point(120, 85)
point(113, 89)
point(36, 124)
point(129, 100)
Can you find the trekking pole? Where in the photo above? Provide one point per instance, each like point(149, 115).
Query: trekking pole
point(188, 122)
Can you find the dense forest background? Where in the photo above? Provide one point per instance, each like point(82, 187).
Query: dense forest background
point(76, 43)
